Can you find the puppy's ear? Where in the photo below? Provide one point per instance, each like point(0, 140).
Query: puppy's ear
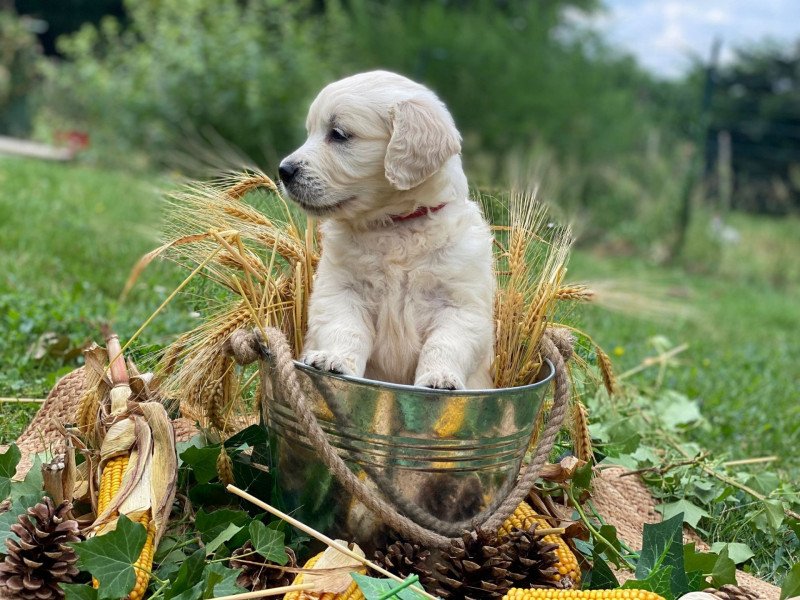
point(423, 138)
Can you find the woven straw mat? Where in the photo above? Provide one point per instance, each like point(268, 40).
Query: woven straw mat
point(623, 501)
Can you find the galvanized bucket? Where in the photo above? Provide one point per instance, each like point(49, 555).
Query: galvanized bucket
point(439, 457)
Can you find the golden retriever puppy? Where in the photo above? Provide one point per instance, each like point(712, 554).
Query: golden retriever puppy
point(404, 290)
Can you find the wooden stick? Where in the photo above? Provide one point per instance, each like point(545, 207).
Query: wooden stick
point(23, 400)
point(651, 361)
point(271, 592)
point(750, 461)
point(323, 538)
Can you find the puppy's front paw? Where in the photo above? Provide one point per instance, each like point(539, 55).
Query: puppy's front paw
point(440, 381)
point(326, 361)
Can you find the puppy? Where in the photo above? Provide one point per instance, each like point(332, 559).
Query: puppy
point(404, 289)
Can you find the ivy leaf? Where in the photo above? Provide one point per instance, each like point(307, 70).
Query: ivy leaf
point(219, 580)
point(11, 516)
point(658, 581)
point(189, 574)
point(211, 524)
point(202, 461)
point(737, 551)
point(252, 436)
point(698, 561)
point(8, 468)
point(230, 531)
point(110, 557)
point(724, 571)
point(582, 479)
point(268, 542)
point(677, 410)
point(601, 577)
point(791, 585)
point(691, 512)
point(662, 546)
point(609, 534)
point(373, 588)
point(774, 512)
point(78, 591)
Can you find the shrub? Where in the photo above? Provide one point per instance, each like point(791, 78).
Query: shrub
point(185, 69)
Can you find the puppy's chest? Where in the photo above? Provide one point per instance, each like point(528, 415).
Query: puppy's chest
point(400, 282)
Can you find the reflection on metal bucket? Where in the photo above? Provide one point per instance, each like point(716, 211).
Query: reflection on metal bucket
point(438, 456)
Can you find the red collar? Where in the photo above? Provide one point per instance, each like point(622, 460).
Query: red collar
point(420, 212)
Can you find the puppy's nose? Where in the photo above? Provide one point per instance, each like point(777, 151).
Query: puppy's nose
point(287, 171)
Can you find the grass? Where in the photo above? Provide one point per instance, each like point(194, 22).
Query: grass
point(743, 353)
point(70, 235)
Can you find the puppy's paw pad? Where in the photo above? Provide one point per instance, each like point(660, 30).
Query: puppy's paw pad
point(325, 361)
point(440, 381)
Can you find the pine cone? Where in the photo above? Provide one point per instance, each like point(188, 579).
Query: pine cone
point(731, 592)
point(404, 559)
point(532, 560)
point(474, 567)
point(40, 559)
point(257, 574)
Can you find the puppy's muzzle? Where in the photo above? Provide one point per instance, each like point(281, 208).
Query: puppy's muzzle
point(288, 171)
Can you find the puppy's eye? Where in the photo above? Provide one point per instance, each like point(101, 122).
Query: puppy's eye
point(338, 135)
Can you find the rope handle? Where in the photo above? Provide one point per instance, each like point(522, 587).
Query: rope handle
point(247, 346)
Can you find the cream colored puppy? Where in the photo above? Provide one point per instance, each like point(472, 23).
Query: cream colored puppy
point(404, 290)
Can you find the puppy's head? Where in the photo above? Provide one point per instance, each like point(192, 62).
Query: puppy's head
point(371, 137)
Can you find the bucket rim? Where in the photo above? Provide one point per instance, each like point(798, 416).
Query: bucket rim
point(423, 391)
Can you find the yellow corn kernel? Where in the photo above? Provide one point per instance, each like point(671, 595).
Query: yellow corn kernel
point(549, 594)
point(111, 481)
point(567, 566)
point(353, 592)
point(144, 563)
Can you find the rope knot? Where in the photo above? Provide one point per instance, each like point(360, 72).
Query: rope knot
point(243, 346)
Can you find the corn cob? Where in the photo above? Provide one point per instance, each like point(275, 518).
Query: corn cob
point(145, 561)
point(353, 592)
point(547, 594)
point(523, 518)
point(111, 481)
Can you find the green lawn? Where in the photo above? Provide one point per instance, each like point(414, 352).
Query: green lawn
point(70, 235)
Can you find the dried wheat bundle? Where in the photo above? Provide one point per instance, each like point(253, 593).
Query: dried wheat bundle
point(264, 258)
point(531, 263)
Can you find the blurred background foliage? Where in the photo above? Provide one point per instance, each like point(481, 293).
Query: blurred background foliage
point(533, 91)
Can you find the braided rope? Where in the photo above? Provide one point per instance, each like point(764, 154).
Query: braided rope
point(277, 348)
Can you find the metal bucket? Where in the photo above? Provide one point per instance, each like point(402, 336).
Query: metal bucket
point(436, 455)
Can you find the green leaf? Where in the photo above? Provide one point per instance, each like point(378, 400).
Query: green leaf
point(676, 410)
point(582, 479)
point(737, 551)
point(268, 542)
point(658, 581)
point(78, 591)
point(7, 519)
point(774, 512)
point(691, 512)
point(662, 546)
point(791, 585)
point(189, 575)
point(203, 462)
point(211, 524)
point(8, 468)
point(601, 577)
point(110, 557)
point(252, 436)
point(373, 588)
point(724, 572)
point(609, 534)
point(210, 494)
point(219, 580)
point(698, 561)
point(765, 482)
point(230, 531)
